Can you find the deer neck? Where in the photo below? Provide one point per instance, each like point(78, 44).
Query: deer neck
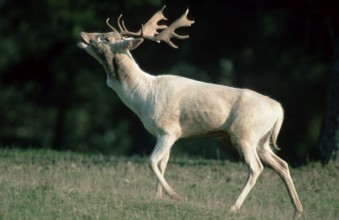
point(126, 78)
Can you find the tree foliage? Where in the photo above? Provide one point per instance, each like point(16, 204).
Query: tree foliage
point(53, 95)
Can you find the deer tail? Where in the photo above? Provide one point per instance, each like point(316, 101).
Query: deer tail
point(276, 129)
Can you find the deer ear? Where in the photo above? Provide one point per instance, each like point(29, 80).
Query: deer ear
point(130, 43)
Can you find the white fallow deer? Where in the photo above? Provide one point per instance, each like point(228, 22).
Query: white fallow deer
point(172, 107)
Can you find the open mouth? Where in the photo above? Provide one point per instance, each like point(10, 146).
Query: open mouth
point(83, 40)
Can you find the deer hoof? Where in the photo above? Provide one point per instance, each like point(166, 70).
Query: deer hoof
point(297, 215)
point(233, 208)
point(176, 196)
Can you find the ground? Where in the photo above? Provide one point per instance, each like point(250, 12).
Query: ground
point(43, 184)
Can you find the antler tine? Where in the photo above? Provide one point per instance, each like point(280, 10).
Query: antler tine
point(119, 25)
point(123, 29)
point(110, 26)
point(169, 32)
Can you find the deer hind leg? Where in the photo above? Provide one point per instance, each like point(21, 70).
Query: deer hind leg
point(255, 167)
point(162, 167)
point(281, 168)
point(162, 148)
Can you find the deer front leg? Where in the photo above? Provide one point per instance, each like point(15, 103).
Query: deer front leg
point(161, 150)
point(162, 167)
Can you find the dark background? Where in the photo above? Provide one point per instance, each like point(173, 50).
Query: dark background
point(54, 95)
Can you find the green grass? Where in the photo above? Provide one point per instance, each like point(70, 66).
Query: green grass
point(40, 184)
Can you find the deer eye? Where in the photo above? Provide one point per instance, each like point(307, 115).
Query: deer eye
point(103, 39)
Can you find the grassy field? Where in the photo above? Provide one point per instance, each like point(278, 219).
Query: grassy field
point(40, 184)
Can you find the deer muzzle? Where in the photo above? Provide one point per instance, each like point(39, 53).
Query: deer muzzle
point(83, 40)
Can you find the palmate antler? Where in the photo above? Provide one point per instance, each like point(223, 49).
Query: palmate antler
point(150, 29)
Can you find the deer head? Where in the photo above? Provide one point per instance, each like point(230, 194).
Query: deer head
point(103, 46)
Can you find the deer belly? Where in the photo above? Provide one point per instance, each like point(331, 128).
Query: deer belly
point(202, 123)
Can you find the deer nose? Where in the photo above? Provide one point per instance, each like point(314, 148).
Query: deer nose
point(83, 34)
point(84, 37)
